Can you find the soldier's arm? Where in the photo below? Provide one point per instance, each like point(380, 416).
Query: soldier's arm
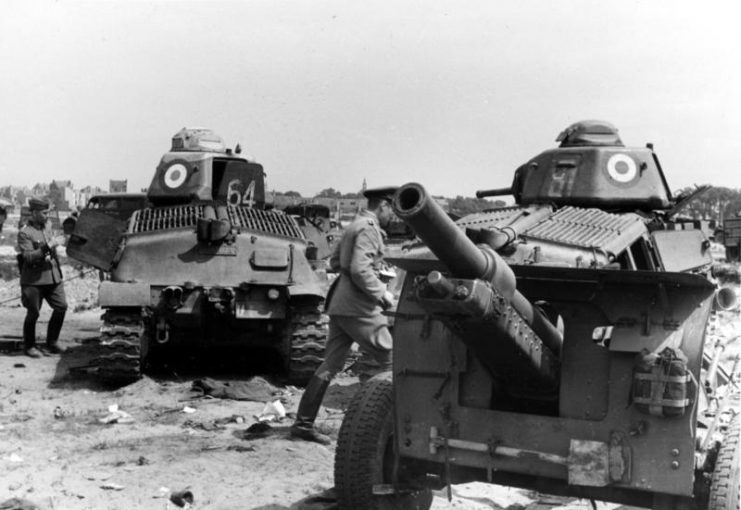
point(31, 251)
point(334, 260)
point(362, 272)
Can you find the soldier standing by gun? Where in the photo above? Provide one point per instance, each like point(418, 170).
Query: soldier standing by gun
point(41, 279)
point(354, 305)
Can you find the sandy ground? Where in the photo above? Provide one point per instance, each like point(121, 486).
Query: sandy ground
point(56, 453)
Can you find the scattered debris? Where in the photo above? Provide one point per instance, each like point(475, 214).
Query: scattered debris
point(189, 410)
point(13, 457)
point(240, 448)
point(257, 431)
point(162, 492)
point(208, 426)
point(181, 498)
point(112, 486)
point(116, 416)
point(273, 411)
point(60, 414)
point(256, 389)
point(235, 418)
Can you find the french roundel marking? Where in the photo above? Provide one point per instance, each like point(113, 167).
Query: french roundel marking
point(175, 175)
point(622, 168)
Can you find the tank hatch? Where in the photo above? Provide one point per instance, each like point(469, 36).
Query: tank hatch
point(590, 132)
point(197, 139)
point(592, 168)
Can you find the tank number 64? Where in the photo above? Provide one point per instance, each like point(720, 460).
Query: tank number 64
point(235, 196)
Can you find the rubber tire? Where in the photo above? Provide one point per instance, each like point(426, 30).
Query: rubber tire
point(364, 452)
point(724, 484)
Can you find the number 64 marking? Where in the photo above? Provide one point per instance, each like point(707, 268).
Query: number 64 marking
point(235, 197)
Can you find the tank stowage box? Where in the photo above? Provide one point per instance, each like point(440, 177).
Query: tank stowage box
point(203, 264)
point(564, 346)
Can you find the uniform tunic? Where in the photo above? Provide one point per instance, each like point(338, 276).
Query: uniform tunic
point(355, 301)
point(357, 256)
point(41, 279)
point(39, 266)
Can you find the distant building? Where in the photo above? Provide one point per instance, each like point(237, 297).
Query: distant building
point(40, 189)
point(115, 186)
point(65, 192)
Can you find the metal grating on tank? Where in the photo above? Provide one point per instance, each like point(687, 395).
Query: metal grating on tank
point(489, 219)
point(589, 228)
point(273, 222)
point(166, 218)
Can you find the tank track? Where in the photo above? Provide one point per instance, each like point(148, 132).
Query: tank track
point(122, 336)
point(308, 336)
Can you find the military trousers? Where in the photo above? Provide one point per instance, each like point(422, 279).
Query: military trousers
point(370, 333)
point(32, 297)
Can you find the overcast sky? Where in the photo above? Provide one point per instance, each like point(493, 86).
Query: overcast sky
point(453, 94)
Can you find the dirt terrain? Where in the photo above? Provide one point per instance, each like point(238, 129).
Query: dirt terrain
point(69, 442)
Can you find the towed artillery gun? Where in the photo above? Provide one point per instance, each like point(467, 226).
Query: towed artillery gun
point(555, 345)
point(203, 265)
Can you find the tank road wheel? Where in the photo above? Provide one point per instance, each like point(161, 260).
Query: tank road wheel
point(123, 335)
point(724, 484)
point(364, 455)
point(306, 337)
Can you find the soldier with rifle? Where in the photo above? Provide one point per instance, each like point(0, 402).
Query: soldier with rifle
point(41, 279)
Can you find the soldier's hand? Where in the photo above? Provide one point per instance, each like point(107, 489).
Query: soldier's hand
point(56, 241)
point(388, 300)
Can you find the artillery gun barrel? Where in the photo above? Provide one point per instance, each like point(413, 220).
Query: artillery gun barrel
point(464, 259)
point(413, 205)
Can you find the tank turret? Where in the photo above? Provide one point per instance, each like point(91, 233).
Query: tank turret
point(200, 167)
point(592, 168)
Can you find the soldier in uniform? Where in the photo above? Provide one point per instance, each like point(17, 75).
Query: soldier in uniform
point(355, 304)
point(41, 279)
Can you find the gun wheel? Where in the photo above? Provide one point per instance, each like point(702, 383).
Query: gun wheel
point(364, 456)
point(724, 484)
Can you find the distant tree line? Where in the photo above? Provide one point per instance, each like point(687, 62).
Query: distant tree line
point(716, 204)
point(460, 205)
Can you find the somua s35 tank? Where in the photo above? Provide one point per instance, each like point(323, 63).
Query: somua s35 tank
point(204, 265)
point(556, 344)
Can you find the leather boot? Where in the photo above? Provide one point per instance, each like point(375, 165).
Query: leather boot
point(52, 333)
point(308, 408)
point(29, 333)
